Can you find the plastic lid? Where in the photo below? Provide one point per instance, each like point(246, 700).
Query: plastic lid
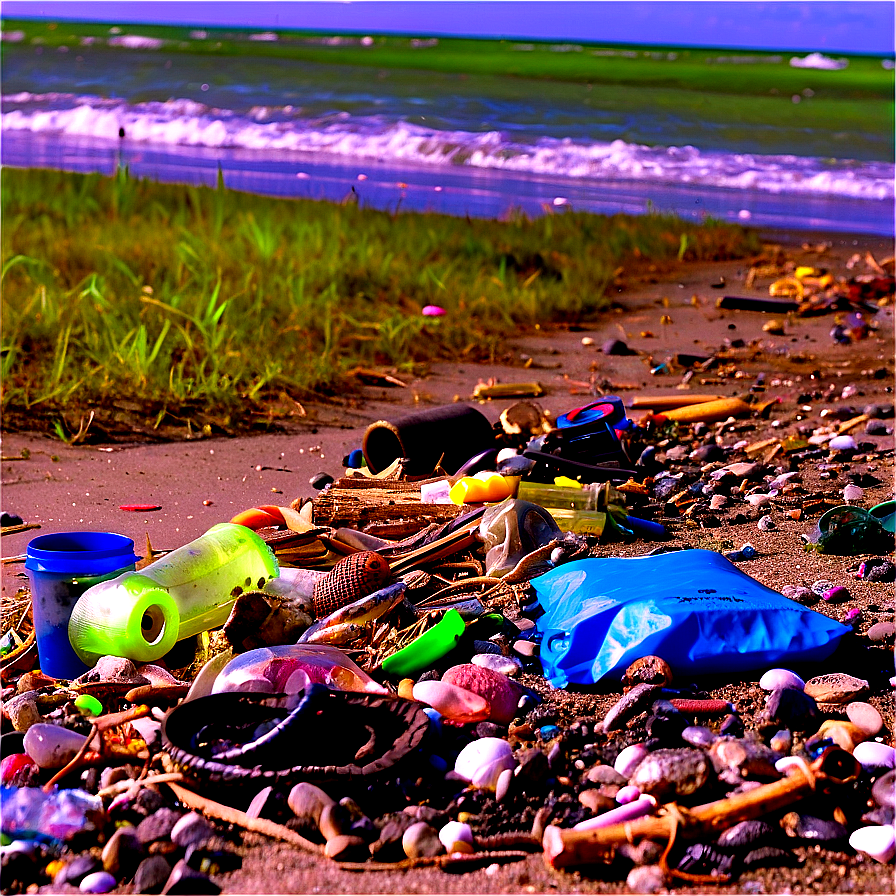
point(80, 553)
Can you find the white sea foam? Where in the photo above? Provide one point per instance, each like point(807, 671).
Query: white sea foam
point(185, 122)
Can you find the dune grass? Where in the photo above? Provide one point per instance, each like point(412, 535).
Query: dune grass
point(164, 297)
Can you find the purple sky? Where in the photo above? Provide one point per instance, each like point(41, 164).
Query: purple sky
point(842, 25)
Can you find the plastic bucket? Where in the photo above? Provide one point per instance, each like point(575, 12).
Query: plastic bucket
point(449, 435)
point(61, 568)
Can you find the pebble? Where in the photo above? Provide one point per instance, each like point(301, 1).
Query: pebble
point(525, 649)
point(870, 754)
point(646, 879)
point(781, 741)
point(670, 773)
point(698, 736)
point(877, 841)
point(23, 711)
point(865, 717)
point(76, 870)
point(157, 826)
point(52, 746)
point(882, 631)
point(605, 774)
point(596, 801)
point(504, 665)
point(307, 802)
point(184, 880)
point(483, 760)
point(500, 692)
point(877, 428)
point(456, 833)
point(878, 569)
point(629, 759)
point(758, 500)
point(98, 882)
point(746, 835)
point(781, 678)
point(191, 828)
point(835, 687)
point(884, 790)
point(790, 708)
point(152, 874)
point(452, 702)
point(122, 852)
point(502, 785)
point(766, 524)
point(821, 586)
point(421, 840)
point(842, 443)
point(347, 848)
point(799, 593)
point(852, 493)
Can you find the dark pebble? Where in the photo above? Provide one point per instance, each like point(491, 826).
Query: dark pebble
point(208, 860)
point(771, 857)
point(491, 729)
point(10, 519)
point(157, 826)
point(732, 726)
point(816, 830)
point(879, 411)
point(148, 801)
point(879, 569)
point(76, 870)
point(701, 858)
point(184, 879)
point(152, 874)
point(876, 428)
point(615, 347)
point(18, 870)
point(747, 835)
point(320, 481)
point(789, 708)
point(486, 647)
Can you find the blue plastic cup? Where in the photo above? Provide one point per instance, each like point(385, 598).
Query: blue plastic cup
point(61, 568)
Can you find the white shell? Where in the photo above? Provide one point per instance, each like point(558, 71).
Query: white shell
point(781, 678)
point(877, 841)
point(455, 832)
point(482, 761)
point(873, 755)
point(629, 759)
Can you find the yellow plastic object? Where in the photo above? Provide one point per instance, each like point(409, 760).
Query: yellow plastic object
point(710, 412)
point(786, 288)
point(483, 488)
point(566, 482)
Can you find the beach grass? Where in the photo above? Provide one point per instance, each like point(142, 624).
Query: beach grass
point(186, 301)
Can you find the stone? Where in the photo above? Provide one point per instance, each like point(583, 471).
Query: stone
point(836, 595)
point(836, 688)
point(525, 649)
point(667, 774)
point(503, 784)
point(865, 717)
point(629, 759)
point(870, 754)
point(483, 760)
point(876, 841)
point(878, 569)
point(596, 801)
point(52, 746)
point(627, 794)
point(113, 668)
point(456, 836)
point(646, 879)
point(191, 828)
point(98, 882)
point(482, 647)
point(152, 874)
point(844, 734)
point(421, 840)
point(698, 736)
point(605, 774)
point(347, 848)
point(502, 693)
point(22, 711)
point(882, 632)
point(335, 820)
point(504, 665)
point(76, 870)
point(884, 790)
point(307, 802)
point(452, 702)
point(800, 593)
point(122, 852)
point(186, 880)
point(157, 826)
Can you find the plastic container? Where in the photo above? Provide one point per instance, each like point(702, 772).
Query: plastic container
point(61, 568)
point(140, 615)
point(559, 496)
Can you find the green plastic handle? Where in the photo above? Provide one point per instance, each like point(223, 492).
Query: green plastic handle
point(432, 645)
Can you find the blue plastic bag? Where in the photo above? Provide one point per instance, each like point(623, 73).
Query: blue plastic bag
point(693, 608)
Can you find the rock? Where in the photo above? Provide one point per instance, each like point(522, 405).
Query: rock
point(452, 702)
point(631, 703)
point(878, 569)
point(76, 870)
point(483, 760)
point(113, 668)
point(334, 821)
point(98, 882)
point(789, 708)
point(878, 842)
point(865, 717)
point(502, 693)
point(781, 678)
point(652, 670)
point(157, 826)
point(800, 594)
point(457, 836)
point(52, 746)
point(504, 665)
point(23, 711)
point(698, 736)
point(629, 759)
point(152, 874)
point(615, 347)
point(870, 754)
point(746, 835)
point(627, 794)
point(814, 830)
point(842, 443)
point(668, 774)
point(489, 647)
point(308, 801)
point(525, 649)
point(781, 742)
point(191, 828)
point(884, 790)
point(835, 688)
point(347, 848)
point(605, 774)
point(596, 801)
point(881, 632)
point(186, 880)
point(646, 879)
point(388, 847)
point(421, 840)
point(122, 852)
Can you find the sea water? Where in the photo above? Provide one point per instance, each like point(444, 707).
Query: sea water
point(426, 141)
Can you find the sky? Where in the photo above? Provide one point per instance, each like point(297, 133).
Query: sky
point(841, 25)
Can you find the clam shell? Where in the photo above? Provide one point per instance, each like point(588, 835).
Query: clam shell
point(482, 761)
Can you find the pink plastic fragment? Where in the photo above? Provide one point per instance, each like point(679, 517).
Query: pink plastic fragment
point(433, 311)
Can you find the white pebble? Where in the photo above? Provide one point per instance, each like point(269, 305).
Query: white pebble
point(506, 665)
point(455, 832)
point(853, 493)
point(629, 759)
point(842, 443)
point(758, 500)
point(781, 678)
point(871, 754)
point(877, 841)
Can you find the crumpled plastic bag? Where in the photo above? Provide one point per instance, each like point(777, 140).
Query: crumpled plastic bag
point(511, 530)
point(693, 608)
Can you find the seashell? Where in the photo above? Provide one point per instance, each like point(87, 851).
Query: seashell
point(52, 746)
point(835, 688)
point(452, 702)
point(668, 774)
point(865, 717)
point(648, 670)
point(629, 759)
point(454, 833)
point(766, 524)
point(746, 835)
point(502, 693)
point(627, 794)
point(878, 841)
point(781, 678)
point(870, 754)
point(884, 790)
point(352, 578)
point(482, 761)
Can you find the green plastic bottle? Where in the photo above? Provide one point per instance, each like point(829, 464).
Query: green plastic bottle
point(140, 615)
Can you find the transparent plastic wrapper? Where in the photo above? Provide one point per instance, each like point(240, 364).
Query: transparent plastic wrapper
point(140, 615)
point(290, 668)
point(28, 811)
point(693, 608)
point(511, 530)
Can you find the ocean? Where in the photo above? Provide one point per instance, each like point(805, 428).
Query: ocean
point(404, 139)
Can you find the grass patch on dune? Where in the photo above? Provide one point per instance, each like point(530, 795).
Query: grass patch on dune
point(184, 305)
